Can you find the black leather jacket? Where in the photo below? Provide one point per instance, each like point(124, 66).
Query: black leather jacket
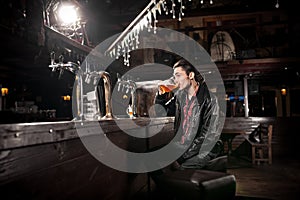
point(205, 126)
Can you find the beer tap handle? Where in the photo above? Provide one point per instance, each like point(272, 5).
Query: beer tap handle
point(96, 80)
point(128, 88)
point(61, 69)
point(52, 62)
point(119, 82)
point(61, 59)
point(123, 87)
point(119, 86)
point(52, 57)
point(88, 78)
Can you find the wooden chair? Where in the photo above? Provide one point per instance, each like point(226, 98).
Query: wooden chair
point(262, 150)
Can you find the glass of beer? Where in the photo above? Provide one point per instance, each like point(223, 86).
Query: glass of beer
point(167, 85)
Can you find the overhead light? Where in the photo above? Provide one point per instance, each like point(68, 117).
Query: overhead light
point(68, 14)
point(68, 19)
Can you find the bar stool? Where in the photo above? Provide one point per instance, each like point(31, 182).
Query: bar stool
point(195, 184)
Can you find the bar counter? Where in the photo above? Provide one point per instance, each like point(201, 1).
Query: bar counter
point(47, 160)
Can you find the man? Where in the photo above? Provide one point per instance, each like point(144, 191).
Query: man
point(196, 138)
point(196, 118)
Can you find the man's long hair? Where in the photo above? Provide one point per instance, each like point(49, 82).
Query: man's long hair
point(188, 68)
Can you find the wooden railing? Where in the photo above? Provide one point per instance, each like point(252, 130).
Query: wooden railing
point(247, 124)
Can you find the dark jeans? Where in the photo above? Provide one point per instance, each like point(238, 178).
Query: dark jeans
point(199, 161)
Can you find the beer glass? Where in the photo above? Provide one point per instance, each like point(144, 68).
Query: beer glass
point(167, 85)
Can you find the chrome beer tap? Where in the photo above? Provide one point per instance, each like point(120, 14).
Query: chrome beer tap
point(75, 69)
point(130, 86)
point(96, 76)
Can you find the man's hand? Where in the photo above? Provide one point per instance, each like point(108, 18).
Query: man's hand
point(175, 166)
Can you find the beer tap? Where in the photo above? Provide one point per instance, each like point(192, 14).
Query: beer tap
point(96, 80)
point(96, 76)
point(133, 88)
point(119, 82)
point(52, 58)
point(69, 66)
point(87, 78)
point(61, 70)
point(123, 87)
point(107, 90)
point(75, 69)
point(130, 87)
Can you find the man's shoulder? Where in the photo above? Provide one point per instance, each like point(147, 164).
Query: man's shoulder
point(203, 90)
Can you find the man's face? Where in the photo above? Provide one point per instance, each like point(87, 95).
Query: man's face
point(181, 78)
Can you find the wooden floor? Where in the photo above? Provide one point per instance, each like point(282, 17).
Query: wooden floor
point(279, 181)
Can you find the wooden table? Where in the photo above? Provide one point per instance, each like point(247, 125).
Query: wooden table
point(228, 135)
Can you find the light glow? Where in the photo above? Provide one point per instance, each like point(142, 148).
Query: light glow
point(66, 98)
point(67, 14)
point(4, 91)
